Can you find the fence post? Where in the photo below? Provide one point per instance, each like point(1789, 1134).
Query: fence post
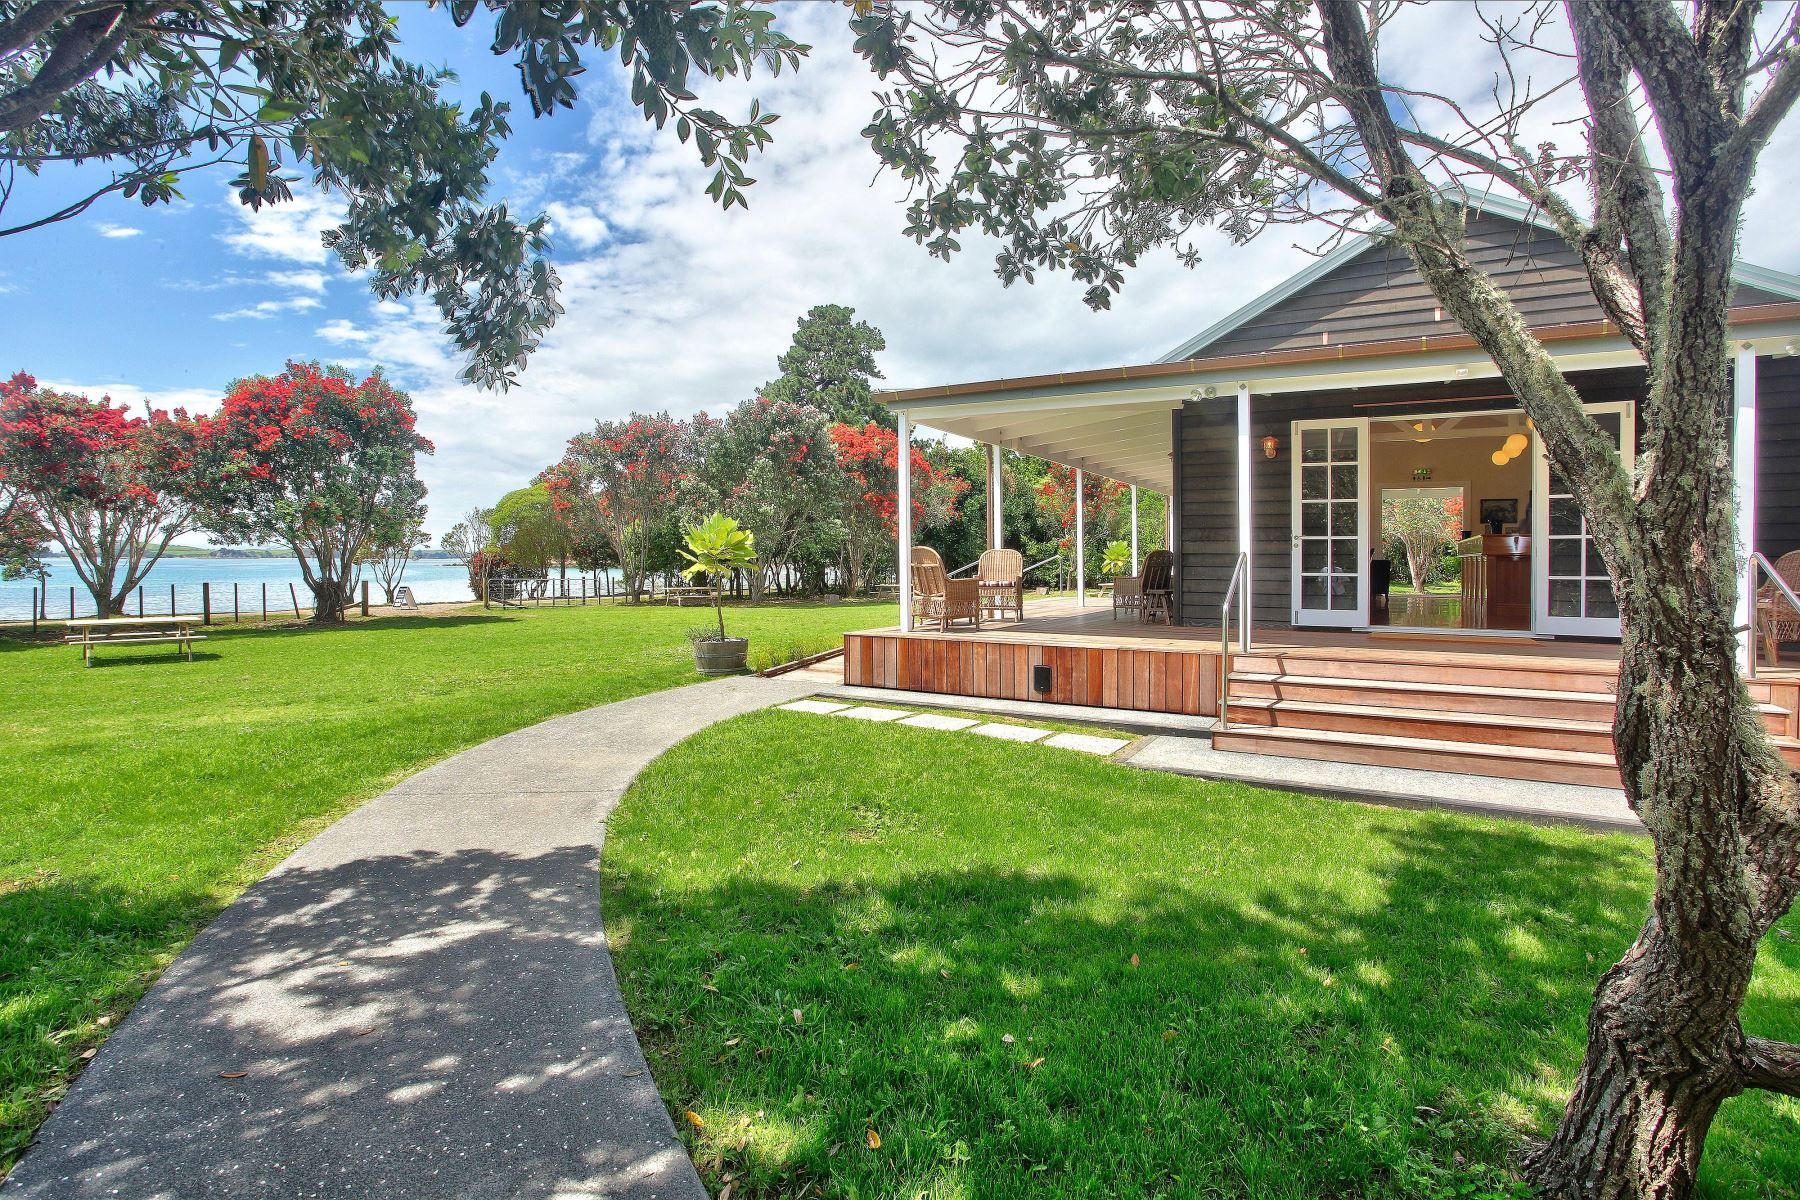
point(140, 599)
point(234, 605)
point(35, 600)
point(295, 597)
point(584, 591)
point(365, 597)
point(171, 599)
point(265, 590)
point(205, 603)
point(71, 602)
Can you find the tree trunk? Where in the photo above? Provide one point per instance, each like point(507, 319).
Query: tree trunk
point(331, 597)
point(1655, 1074)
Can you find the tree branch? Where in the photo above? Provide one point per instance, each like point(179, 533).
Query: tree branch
point(1628, 202)
point(1772, 1066)
point(1576, 444)
point(1773, 104)
point(90, 40)
point(25, 28)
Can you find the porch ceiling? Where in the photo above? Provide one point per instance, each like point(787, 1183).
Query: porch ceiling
point(1122, 438)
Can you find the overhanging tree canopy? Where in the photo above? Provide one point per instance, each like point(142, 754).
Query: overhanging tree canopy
point(139, 94)
point(1084, 136)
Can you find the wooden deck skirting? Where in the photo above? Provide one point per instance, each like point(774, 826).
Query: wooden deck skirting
point(1147, 678)
point(1099, 664)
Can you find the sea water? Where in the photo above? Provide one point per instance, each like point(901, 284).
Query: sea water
point(431, 580)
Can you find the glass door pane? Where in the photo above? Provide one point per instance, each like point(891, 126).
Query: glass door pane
point(1330, 555)
point(1575, 593)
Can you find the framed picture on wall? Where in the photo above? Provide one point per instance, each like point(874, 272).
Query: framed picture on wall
point(1505, 511)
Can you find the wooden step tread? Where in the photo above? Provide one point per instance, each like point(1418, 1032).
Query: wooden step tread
point(1448, 658)
point(1350, 682)
point(1432, 746)
point(1443, 716)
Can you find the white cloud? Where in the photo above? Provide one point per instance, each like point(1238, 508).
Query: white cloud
point(686, 307)
point(193, 399)
point(305, 281)
point(579, 226)
point(262, 310)
point(108, 230)
point(289, 230)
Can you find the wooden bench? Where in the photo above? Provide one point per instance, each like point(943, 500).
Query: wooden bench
point(680, 597)
point(91, 632)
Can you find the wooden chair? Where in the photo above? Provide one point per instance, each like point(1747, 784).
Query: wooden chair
point(1150, 592)
point(1776, 620)
point(937, 596)
point(1001, 576)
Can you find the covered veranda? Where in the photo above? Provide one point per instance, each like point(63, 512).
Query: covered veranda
point(1119, 435)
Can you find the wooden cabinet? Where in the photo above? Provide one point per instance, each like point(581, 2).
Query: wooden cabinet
point(1496, 581)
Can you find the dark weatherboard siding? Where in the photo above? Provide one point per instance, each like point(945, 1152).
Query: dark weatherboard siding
point(1379, 296)
point(1207, 473)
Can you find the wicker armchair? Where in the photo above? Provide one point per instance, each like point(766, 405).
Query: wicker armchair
point(1150, 592)
point(1002, 579)
point(937, 596)
point(1776, 620)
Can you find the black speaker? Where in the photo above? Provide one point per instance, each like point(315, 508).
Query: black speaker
point(1040, 679)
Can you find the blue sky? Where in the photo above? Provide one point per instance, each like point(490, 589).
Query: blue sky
point(672, 303)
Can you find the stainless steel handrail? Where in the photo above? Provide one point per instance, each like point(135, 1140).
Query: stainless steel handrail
point(961, 569)
point(1757, 560)
point(1238, 575)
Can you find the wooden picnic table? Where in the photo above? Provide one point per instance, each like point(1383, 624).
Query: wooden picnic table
point(89, 632)
point(681, 597)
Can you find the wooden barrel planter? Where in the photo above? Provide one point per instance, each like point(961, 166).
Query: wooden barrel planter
point(721, 656)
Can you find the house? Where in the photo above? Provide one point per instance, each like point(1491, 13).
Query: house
point(1277, 433)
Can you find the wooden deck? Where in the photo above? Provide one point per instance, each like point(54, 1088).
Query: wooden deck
point(1516, 706)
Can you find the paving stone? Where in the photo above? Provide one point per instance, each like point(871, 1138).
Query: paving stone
point(1087, 743)
point(869, 712)
point(814, 706)
point(1011, 733)
point(937, 721)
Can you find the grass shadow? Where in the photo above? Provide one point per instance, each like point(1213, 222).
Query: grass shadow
point(354, 1025)
point(1171, 1012)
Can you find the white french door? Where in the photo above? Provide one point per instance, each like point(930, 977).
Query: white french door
point(1571, 591)
point(1331, 522)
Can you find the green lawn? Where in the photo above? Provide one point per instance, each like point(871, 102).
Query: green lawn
point(1033, 973)
point(143, 794)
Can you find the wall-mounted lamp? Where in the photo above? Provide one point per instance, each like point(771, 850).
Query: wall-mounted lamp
point(1211, 391)
point(1271, 446)
point(1040, 679)
point(1462, 372)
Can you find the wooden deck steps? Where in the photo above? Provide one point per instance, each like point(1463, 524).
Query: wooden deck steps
point(1536, 718)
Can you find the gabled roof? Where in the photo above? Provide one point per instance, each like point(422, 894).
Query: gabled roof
point(1779, 283)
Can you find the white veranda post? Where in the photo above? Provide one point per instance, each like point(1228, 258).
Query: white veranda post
point(903, 517)
point(1080, 538)
point(1134, 540)
point(1743, 471)
point(996, 503)
point(1244, 530)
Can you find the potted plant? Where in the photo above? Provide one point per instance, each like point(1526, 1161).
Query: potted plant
point(718, 546)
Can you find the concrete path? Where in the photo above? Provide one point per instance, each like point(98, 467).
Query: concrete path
point(418, 1003)
point(1599, 808)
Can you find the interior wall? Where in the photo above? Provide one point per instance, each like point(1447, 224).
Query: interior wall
point(1467, 461)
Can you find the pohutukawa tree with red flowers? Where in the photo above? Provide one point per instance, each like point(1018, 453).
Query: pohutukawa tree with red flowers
point(620, 481)
point(870, 459)
point(1056, 496)
point(317, 460)
point(112, 488)
point(769, 464)
point(22, 535)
